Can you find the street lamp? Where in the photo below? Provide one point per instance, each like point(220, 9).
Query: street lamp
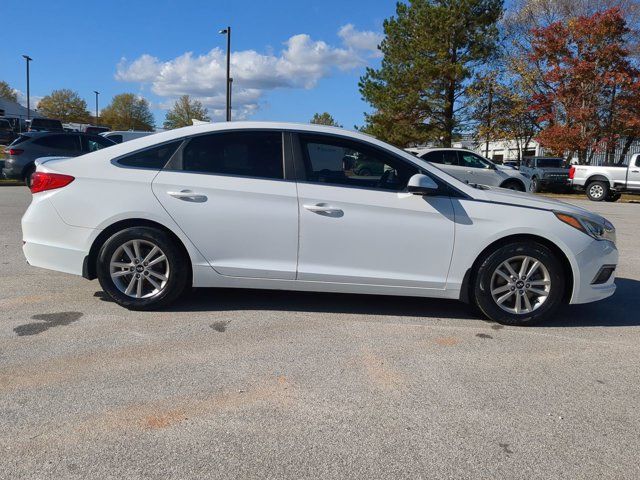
point(28, 59)
point(227, 32)
point(97, 93)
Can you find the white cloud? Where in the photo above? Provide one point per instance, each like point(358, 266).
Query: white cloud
point(361, 40)
point(301, 64)
point(33, 99)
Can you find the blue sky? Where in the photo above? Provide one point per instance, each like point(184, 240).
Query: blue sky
point(291, 58)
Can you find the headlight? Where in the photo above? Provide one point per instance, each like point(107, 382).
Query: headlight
point(599, 231)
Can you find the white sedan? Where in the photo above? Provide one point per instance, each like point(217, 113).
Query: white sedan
point(281, 206)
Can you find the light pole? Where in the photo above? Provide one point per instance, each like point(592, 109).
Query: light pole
point(28, 59)
point(97, 93)
point(227, 31)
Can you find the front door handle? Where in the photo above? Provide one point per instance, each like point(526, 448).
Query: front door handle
point(324, 209)
point(188, 196)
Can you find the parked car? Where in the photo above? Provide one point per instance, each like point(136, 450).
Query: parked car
point(607, 182)
point(246, 205)
point(21, 154)
point(470, 167)
point(45, 125)
point(546, 173)
point(120, 136)
point(7, 135)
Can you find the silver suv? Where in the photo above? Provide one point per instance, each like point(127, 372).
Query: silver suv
point(470, 167)
point(21, 154)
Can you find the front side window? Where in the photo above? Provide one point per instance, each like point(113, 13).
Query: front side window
point(471, 160)
point(154, 158)
point(349, 163)
point(116, 138)
point(69, 143)
point(248, 154)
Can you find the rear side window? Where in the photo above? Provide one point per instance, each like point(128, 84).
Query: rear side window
point(116, 138)
point(69, 143)
point(248, 154)
point(442, 157)
point(154, 158)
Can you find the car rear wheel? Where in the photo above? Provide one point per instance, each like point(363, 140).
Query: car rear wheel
point(597, 191)
point(142, 268)
point(520, 283)
point(28, 175)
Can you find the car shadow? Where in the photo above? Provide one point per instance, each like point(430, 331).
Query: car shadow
point(617, 311)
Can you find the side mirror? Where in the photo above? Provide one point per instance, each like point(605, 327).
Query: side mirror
point(420, 184)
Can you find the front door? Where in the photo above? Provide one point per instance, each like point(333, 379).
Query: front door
point(365, 229)
point(228, 194)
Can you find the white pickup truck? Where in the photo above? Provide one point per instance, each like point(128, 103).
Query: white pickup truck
point(607, 182)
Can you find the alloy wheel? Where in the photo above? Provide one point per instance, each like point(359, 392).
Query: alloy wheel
point(520, 285)
point(139, 269)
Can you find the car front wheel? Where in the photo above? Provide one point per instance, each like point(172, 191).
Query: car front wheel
point(142, 268)
point(519, 284)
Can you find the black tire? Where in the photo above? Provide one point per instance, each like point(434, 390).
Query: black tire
point(513, 185)
point(597, 191)
point(535, 185)
point(28, 174)
point(178, 279)
point(484, 276)
point(613, 197)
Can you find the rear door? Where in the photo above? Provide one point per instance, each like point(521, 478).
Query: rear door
point(227, 191)
point(448, 160)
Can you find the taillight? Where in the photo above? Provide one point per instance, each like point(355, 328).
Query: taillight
point(15, 151)
point(42, 181)
point(572, 172)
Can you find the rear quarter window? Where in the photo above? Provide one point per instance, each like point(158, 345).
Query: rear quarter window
point(154, 158)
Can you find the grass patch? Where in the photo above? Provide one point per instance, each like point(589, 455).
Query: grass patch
point(582, 196)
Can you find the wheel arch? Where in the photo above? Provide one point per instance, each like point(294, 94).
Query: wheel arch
point(514, 180)
point(597, 178)
point(469, 276)
point(89, 264)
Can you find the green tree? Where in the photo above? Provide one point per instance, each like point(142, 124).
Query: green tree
point(65, 105)
point(7, 92)
point(324, 119)
point(128, 111)
point(184, 110)
point(431, 51)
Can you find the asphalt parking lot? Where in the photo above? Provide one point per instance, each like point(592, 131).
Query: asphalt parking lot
point(262, 384)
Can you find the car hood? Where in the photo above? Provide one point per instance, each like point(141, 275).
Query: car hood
point(529, 200)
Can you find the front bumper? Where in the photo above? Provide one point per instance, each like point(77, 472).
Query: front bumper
point(589, 264)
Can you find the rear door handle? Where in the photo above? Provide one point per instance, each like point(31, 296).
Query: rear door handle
point(323, 208)
point(188, 196)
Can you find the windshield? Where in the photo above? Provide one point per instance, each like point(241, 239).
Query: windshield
point(550, 162)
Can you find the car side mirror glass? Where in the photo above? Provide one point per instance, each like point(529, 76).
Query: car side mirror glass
point(420, 184)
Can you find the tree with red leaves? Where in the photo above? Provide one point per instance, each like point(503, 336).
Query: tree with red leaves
point(587, 96)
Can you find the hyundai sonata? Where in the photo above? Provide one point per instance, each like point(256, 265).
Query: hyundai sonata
point(283, 206)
